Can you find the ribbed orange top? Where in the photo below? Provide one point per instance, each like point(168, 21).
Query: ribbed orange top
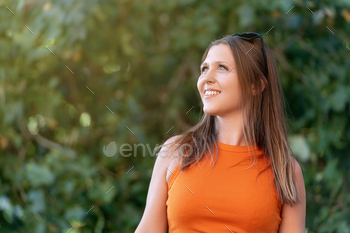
point(225, 199)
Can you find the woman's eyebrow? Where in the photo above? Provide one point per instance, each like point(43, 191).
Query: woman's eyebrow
point(206, 63)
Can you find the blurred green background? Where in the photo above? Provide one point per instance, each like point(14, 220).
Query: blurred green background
point(78, 75)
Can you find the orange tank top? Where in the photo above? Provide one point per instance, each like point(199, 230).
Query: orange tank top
point(225, 199)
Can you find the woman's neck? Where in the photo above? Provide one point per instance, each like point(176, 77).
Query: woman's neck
point(230, 130)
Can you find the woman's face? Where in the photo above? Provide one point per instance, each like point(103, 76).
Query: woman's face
point(216, 74)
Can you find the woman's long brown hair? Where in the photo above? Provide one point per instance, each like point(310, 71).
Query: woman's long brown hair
point(263, 118)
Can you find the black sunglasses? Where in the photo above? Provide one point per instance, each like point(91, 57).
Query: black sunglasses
point(250, 36)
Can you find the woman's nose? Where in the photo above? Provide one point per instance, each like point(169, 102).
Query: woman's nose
point(208, 76)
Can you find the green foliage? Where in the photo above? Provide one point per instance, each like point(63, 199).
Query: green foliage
point(62, 63)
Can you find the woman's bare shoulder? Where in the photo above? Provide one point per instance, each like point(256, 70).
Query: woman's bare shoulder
point(172, 160)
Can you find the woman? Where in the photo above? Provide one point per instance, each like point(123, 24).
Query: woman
point(243, 121)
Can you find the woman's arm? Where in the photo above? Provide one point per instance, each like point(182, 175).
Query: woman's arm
point(154, 219)
point(293, 218)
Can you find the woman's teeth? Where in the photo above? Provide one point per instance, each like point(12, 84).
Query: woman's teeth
point(212, 93)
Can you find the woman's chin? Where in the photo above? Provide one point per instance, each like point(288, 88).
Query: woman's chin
point(210, 111)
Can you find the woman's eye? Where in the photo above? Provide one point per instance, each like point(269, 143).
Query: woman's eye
point(204, 68)
point(221, 66)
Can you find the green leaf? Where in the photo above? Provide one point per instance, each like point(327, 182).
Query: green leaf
point(39, 174)
point(37, 200)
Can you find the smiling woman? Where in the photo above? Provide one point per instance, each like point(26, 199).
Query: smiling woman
point(243, 120)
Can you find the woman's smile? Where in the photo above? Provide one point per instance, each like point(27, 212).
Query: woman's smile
point(210, 94)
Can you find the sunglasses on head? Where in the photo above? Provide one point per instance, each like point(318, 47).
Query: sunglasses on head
point(251, 36)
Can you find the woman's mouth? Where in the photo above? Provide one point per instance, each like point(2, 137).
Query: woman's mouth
point(209, 94)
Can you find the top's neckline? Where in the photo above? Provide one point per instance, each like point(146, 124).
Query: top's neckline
point(235, 148)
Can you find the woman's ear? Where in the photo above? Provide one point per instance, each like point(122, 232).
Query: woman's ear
point(262, 85)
